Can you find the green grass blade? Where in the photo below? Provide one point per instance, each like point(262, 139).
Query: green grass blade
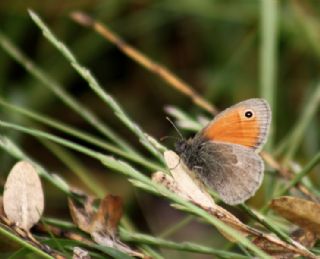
point(80, 134)
point(185, 246)
point(268, 57)
point(7, 234)
point(298, 177)
point(308, 113)
point(58, 90)
point(95, 86)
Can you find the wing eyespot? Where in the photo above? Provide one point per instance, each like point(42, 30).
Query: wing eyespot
point(248, 114)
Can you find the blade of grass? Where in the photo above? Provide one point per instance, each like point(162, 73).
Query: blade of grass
point(81, 135)
point(175, 227)
point(309, 111)
point(264, 221)
point(21, 253)
point(7, 234)
point(144, 61)
point(76, 168)
point(110, 251)
point(58, 90)
point(298, 177)
point(184, 246)
point(268, 58)
point(95, 86)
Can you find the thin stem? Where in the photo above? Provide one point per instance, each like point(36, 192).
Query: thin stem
point(7, 234)
point(81, 135)
point(268, 54)
point(177, 226)
point(58, 90)
point(144, 61)
point(298, 177)
point(96, 87)
point(185, 246)
point(265, 223)
point(308, 113)
point(76, 168)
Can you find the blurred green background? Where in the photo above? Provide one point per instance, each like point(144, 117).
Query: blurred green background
point(215, 45)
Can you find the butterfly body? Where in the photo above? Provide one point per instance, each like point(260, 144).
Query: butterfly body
point(224, 156)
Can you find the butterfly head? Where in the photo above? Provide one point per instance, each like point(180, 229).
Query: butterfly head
point(181, 146)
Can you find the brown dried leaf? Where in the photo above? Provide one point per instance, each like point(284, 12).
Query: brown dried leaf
point(23, 199)
point(166, 181)
point(80, 253)
point(101, 231)
point(83, 212)
point(103, 224)
point(276, 251)
point(189, 186)
point(104, 228)
point(299, 211)
point(305, 237)
point(1, 207)
point(108, 215)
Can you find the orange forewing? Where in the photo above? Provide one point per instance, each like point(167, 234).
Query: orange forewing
point(233, 127)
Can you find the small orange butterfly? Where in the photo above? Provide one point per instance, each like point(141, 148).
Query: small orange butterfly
point(224, 153)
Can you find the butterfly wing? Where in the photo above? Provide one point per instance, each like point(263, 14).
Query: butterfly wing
point(246, 123)
point(234, 171)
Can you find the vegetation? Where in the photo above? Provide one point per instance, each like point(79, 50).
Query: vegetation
point(88, 109)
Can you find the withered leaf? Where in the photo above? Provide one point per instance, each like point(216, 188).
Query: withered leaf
point(108, 215)
point(189, 186)
point(103, 224)
point(23, 199)
point(305, 237)
point(79, 253)
point(82, 212)
point(1, 206)
point(167, 181)
point(104, 228)
point(299, 211)
point(276, 251)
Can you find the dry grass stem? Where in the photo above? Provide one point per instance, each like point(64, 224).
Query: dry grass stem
point(144, 61)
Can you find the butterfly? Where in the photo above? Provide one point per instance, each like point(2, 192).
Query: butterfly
point(224, 154)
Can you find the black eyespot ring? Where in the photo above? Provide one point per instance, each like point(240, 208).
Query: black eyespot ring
point(248, 114)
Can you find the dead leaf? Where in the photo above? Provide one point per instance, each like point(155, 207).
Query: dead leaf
point(1, 206)
point(305, 237)
point(82, 212)
point(109, 214)
point(103, 224)
point(186, 182)
point(299, 211)
point(23, 199)
point(168, 182)
point(276, 251)
point(80, 253)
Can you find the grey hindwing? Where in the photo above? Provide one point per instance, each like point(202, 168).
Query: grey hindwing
point(234, 171)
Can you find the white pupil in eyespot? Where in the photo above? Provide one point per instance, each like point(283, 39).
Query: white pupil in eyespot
point(248, 114)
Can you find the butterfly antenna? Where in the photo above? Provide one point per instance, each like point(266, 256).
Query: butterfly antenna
point(166, 137)
point(175, 127)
